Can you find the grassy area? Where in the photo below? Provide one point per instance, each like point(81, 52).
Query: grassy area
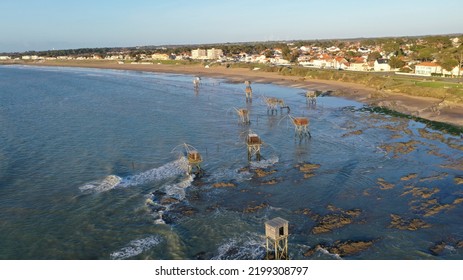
point(416, 86)
point(438, 84)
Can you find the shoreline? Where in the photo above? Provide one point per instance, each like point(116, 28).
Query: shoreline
point(432, 109)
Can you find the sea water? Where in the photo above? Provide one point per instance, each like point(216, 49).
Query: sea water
point(92, 167)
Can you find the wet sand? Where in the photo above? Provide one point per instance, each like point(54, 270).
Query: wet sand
point(428, 108)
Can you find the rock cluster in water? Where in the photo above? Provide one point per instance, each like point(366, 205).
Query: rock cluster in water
point(412, 225)
point(337, 218)
point(342, 248)
point(308, 169)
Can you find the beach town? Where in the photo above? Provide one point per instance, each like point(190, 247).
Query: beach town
point(416, 76)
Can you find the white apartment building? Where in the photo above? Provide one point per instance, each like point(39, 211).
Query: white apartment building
point(206, 54)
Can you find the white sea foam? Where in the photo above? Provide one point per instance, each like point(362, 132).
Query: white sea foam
point(230, 174)
point(168, 170)
point(108, 183)
point(136, 247)
point(264, 163)
point(325, 252)
point(247, 247)
point(178, 190)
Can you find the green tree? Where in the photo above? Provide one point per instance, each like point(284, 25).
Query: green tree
point(268, 53)
point(374, 56)
point(426, 54)
point(391, 46)
point(286, 52)
point(448, 63)
point(396, 62)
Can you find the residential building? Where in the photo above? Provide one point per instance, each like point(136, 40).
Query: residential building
point(322, 61)
point(160, 56)
point(382, 64)
point(359, 64)
point(199, 54)
point(427, 68)
point(206, 54)
point(340, 63)
point(214, 53)
point(455, 72)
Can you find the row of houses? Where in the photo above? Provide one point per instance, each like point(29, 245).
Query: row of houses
point(325, 61)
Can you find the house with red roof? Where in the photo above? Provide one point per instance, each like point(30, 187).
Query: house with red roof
point(427, 68)
point(359, 64)
point(340, 63)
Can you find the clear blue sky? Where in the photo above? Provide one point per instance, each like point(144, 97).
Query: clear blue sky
point(63, 24)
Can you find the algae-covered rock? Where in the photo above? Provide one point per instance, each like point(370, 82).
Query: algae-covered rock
point(438, 248)
point(355, 132)
point(330, 222)
point(409, 177)
point(270, 182)
point(349, 248)
point(412, 225)
point(421, 192)
point(400, 148)
point(431, 207)
point(308, 167)
point(458, 180)
point(262, 173)
point(223, 185)
point(255, 208)
point(383, 185)
point(335, 220)
point(342, 248)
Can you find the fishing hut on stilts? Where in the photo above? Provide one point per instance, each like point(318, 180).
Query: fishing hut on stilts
point(253, 142)
point(194, 160)
point(276, 235)
point(248, 91)
point(301, 127)
point(243, 115)
point(273, 103)
point(196, 83)
point(311, 97)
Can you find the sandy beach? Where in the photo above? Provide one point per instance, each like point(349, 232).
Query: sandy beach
point(428, 108)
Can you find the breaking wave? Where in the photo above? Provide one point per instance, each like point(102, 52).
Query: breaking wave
point(136, 247)
point(166, 198)
point(108, 183)
point(168, 170)
point(178, 190)
point(264, 163)
point(250, 247)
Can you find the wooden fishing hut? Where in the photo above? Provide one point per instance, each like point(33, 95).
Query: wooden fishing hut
point(276, 235)
point(243, 114)
point(301, 127)
point(194, 162)
point(253, 143)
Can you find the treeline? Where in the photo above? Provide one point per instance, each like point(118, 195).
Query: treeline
point(447, 50)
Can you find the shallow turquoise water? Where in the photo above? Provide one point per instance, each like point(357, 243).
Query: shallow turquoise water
point(63, 131)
